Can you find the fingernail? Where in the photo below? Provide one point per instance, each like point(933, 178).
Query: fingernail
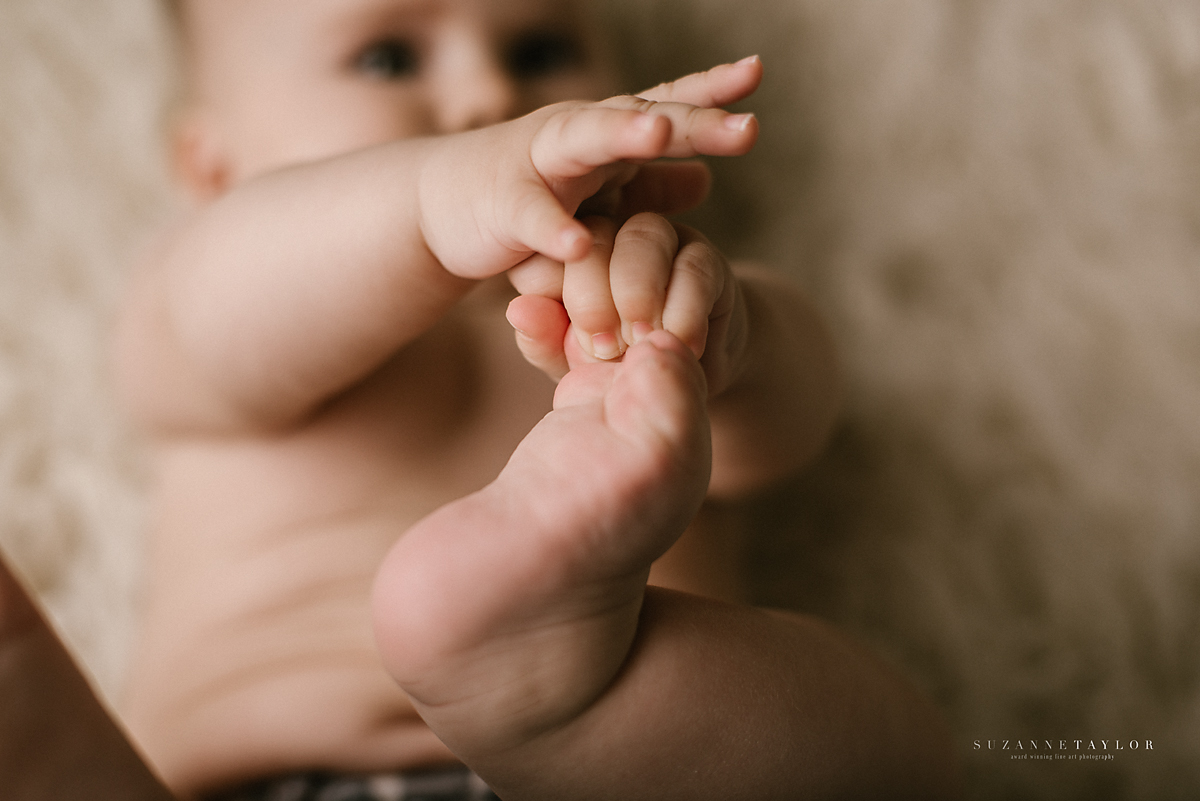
point(605, 346)
point(572, 239)
point(508, 316)
point(738, 122)
point(748, 60)
point(640, 331)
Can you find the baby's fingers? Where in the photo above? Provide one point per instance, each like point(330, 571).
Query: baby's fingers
point(541, 326)
point(538, 275)
point(696, 130)
point(640, 273)
point(702, 291)
point(719, 86)
point(577, 140)
point(587, 295)
point(539, 223)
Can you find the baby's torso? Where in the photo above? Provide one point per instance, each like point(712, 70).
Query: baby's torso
point(257, 654)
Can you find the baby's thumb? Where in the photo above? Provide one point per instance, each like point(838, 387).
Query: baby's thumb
point(541, 224)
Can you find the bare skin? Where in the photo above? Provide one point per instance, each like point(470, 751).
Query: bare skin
point(304, 520)
point(320, 367)
point(322, 359)
point(519, 621)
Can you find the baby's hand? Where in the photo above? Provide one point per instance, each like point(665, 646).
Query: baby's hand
point(488, 199)
point(649, 275)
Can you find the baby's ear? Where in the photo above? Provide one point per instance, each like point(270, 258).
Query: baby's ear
point(200, 160)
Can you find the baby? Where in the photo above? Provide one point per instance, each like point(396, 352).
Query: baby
point(322, 359)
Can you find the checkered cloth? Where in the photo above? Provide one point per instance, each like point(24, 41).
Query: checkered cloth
point(449, 784)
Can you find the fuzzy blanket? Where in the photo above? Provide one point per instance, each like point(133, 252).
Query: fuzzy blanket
point(995, 205)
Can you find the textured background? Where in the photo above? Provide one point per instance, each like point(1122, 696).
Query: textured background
point(994, 202)
point(83, 88)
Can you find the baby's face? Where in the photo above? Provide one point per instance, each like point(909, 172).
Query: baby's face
point(276, 82)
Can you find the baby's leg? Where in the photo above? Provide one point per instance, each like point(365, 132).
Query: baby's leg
point(509, 612)
point(519, 621)
point(56, 740)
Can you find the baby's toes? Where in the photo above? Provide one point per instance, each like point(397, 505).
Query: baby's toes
point(657, 402)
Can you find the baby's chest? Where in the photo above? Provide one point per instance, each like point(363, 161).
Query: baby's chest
point(446, 413)
point(340, 490)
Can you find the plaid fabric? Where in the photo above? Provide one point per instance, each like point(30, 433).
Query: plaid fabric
point(449, 784)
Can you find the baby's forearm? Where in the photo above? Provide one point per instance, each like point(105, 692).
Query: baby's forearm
point(292, 286)
point(781, 408)
point(719, 701)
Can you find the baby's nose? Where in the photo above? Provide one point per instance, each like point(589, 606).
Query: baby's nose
point(479, 92)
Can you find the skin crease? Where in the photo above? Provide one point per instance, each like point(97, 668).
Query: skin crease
point(321, 357)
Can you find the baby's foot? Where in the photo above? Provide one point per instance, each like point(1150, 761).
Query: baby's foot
point(508, 612)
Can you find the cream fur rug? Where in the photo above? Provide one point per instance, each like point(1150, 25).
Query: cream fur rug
point(994, 202)
point(82, 88)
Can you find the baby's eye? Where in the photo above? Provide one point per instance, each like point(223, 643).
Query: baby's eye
point(542, 54)
point(389, 59)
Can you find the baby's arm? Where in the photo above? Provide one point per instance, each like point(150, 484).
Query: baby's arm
point(296, 285)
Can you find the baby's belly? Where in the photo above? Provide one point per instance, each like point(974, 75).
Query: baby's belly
point(269, 665)
point(257, 653)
